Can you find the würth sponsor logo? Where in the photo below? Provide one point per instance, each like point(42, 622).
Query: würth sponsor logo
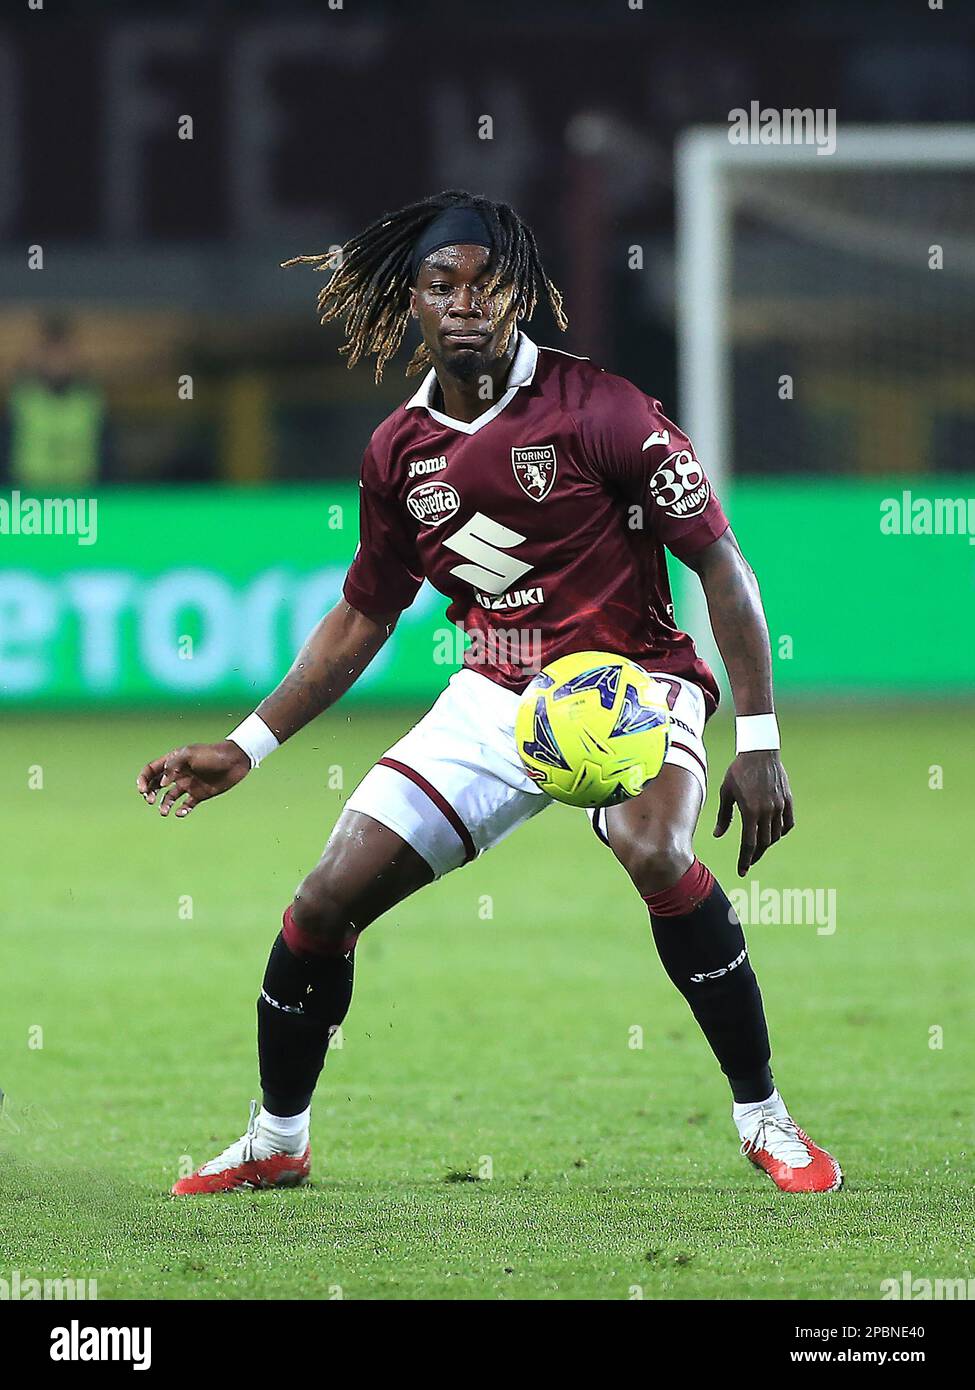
point(431, 503)
point(535, 467)
point(418, 467)
point(679, 485)
point(515, 598)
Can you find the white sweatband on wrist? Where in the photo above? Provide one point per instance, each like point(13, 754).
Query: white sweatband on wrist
point(756, 733)
point(255, 738)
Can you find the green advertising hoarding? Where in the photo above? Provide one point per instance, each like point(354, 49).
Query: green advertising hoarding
point(191, 593)
point(206, 594)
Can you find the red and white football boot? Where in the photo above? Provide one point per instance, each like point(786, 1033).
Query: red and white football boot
point(254, 1160)
point(774, 1142)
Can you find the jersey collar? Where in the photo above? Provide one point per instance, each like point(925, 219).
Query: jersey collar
point(522, 373)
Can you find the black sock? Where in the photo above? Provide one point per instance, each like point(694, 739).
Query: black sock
point(703, 951)
point(303, 1000)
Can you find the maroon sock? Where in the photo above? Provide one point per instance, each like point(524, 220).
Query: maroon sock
point(702, 948)
point(303, 1000)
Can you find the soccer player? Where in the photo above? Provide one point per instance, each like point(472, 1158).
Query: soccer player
point(537, 492)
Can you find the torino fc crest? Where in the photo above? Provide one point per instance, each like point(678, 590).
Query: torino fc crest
point(535, 469)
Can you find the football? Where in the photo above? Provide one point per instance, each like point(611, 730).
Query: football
point(593, 729)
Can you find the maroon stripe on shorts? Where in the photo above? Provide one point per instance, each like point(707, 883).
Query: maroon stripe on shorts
point(684, 747)
point(442, 805)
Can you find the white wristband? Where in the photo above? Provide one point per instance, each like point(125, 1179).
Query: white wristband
point(756, 733)
point(255, 738)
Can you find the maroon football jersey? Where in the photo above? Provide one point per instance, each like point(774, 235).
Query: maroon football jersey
point(543, 521)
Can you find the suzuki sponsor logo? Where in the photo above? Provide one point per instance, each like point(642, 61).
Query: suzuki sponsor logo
point(534, 467)
point(418, 467)
point(515, 598)
point(485, 543)
point(432, 503)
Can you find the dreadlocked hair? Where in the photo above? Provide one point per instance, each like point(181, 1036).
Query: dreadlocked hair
point(370, 283)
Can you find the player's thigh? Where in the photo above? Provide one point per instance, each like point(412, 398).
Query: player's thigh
point(652, 835)
point(453, 786)
point(366, 868)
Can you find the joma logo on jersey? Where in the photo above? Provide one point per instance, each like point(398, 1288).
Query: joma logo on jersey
point(431, 503)
point(534, 467)
point(420, 466)
point(515, 598)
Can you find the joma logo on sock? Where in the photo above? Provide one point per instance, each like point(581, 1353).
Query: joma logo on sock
point(725, 969)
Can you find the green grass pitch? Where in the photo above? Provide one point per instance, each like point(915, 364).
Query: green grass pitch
point(487, 1130)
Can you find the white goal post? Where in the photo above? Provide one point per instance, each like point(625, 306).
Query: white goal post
point(706, 166)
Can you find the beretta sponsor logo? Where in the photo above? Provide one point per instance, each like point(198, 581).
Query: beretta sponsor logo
point(534, 467)
point(432, 502)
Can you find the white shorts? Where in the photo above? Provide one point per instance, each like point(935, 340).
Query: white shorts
point(454, 785)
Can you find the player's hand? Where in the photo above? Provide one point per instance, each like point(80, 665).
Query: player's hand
point(196, 772)
point(757, 784)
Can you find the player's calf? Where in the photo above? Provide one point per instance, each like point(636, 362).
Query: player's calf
point(307, 986)
point(304, 997)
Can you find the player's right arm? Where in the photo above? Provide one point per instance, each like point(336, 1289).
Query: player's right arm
point(331, 660)
point(383, 579)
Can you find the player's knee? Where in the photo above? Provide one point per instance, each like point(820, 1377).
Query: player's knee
point(319, 912)
point(656, 862)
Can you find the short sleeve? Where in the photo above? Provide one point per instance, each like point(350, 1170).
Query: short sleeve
point(385, 574)
point(650, 462)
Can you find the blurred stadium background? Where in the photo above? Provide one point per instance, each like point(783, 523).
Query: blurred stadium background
point(156, 344)
point(155, 357)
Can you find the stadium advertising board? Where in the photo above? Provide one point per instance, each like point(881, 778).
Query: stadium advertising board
point(212, 604)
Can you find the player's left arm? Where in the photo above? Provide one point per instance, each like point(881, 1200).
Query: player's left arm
point(756, 782)
point(648, 460)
